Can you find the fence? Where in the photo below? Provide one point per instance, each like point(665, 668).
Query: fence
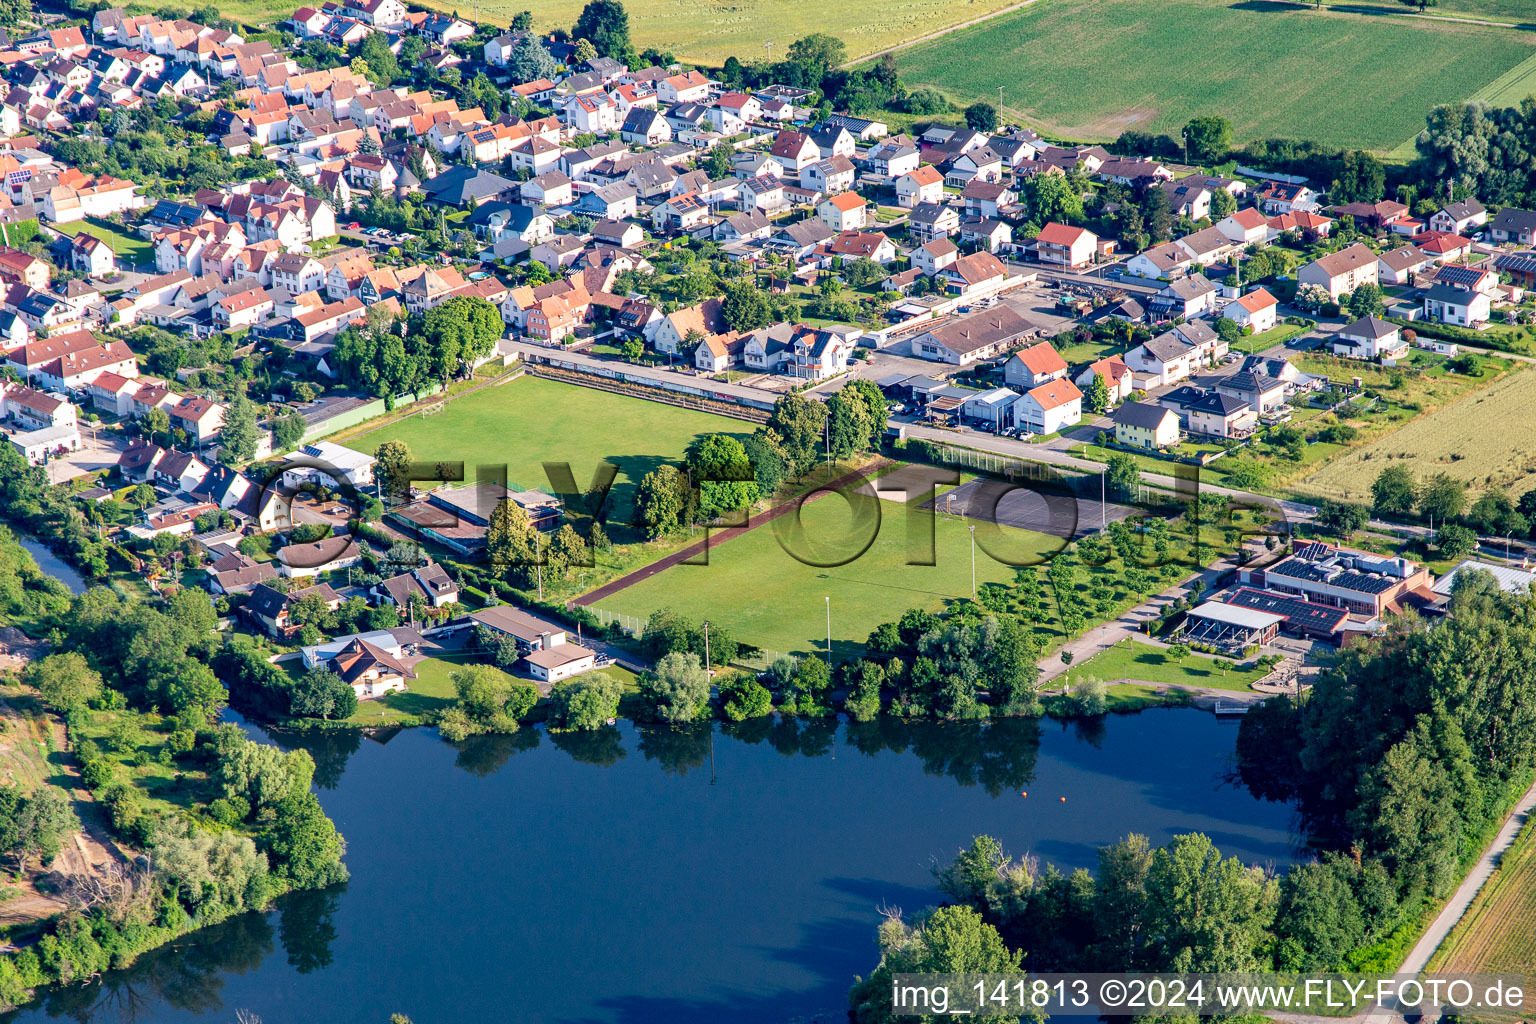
point(634, 625)
point(757, 659)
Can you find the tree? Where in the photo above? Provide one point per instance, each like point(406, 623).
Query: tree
point(1098, 394)
point(1223, 204)
point(1206, 913)
point(240, 433)
point(981, 117)
point(585, 703)
point(585, 51)
point(392, 463)
point(1341, 518)
point(1443, 497)
point(321, 693)
point(817, 55)
point(953, 939)
point(529, 61)
point(459, 332)
point(65, 681)
point(1051, 197)
point(1209, 138)
point(304, 844)
point(606, 24)
point(287, 430)
point(850, 424)
point(1122, 477)
point(1393, 493)
point(34, 826)
point(799, 421)
point(745, 306)
point(723, 472)
point(14, 13)
point(511, 543)
point(676, 689)
point(1455, 541)
point(492, 700)
point(770, 462)
point(662, 501)
point(1367, 300)
point(743, 697)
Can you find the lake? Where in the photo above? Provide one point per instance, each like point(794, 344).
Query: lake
point(51, 563)
point(734, 873)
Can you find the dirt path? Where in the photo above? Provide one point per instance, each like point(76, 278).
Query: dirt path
point(719, 537)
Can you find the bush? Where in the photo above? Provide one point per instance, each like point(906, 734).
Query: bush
point(743, 697)
point(584, 703)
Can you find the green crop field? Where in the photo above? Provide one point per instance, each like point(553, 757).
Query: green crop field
point(773, 601)
point(1092, 69)
point(530, 421)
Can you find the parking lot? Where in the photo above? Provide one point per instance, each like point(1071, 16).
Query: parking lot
point(99, 450)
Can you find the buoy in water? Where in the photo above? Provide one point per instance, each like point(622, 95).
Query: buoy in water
point(1063, 799)
point(1023, 793)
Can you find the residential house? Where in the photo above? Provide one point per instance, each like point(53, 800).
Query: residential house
point(1117, 377)
point(1401, 265)
point(1370, 338)
point(1187, 297)
point(1261, 391)
point(932, 257)
point(1066, 246)
point(704, 318)
point(919, 186)
point(975, 276)
point(1340, 273)
point(1140, 425)
point(974, 337)
point(843, 212)
point(1050, 407)
point(930, 221)
point(1220, 415)
point(1257, 310)
point(1449, 304)
point(1513, 225)
point(1247, 226)
point(1462, 217)
point(1035, 365)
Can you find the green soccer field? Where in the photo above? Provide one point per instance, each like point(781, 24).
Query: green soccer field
point(774, 601)
point(1091, 69)
point(529, 421)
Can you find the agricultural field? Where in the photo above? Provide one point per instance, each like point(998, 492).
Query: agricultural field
point(706, 31)
point(529, 421)
point(1079, 68)
point(773, 601)
point(1495, 934)
point(1484, 439)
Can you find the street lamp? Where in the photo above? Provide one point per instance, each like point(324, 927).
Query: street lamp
point(973, 562)
point(829, 632)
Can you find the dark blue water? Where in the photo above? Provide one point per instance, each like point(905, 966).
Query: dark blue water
point(679, 877)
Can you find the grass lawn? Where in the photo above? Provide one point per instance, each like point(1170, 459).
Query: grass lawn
point(130, 247)
point(1078, 68)
point(432, 690)
point(1153, 665)
point(530, 421)
point(776, 602)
